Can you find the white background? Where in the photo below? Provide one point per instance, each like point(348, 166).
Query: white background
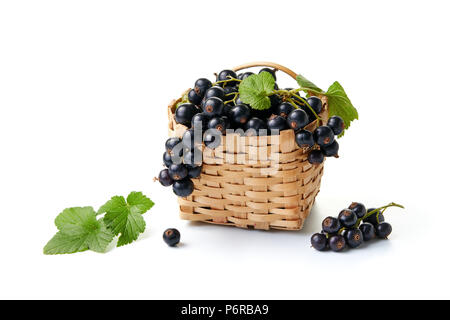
point(84, 87)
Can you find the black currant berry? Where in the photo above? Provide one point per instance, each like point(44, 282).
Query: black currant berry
point(319, 241)
point(315, 103)
point(359, 209)
point(244, 75)
point(331, 150)
point(276, 124)
point(172, 143)
point(230, 93)
point(178, 171)
point(297, 119)
point(200, 120)
point(194, 171)
point(212, 138)
point(284, 109)
point(227, 75)
point(383, 230)
point(171, 237)
point(275, 101)
point(193, 157)
point(304, 139)
point(164, 178)
point(323, 136)
point(331, 225)
point(217, 123)
point(184, 113)
point(213, 106)
point(354, 238)
point(194, 97)
point(167, 159)
point(337, 243)
point(240, 114)
point(368, 231)
point(336, 124)
point(271, 71)
point(216, 92)
point(254, 125)
point(189, 140)
point(183, 188)
point(373, 217)
point(201, 85)
point(226, 120)
point(315, 157)
point(347, 218)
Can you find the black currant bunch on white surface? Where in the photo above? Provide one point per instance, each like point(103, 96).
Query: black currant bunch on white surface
point(352, 227)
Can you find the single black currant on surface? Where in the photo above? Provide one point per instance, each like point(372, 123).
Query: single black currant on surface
point(276, 124)
point(315, 103)
point(217, 123)
point(172, 143)
point(200, 120)
point(337, 243)
point(304, 139)
point(383, 230)
point(230, 93)
point(323, 136)
point(212, 138)
point(178, 171)
point(271, 71)
point(227, 75)
point(194, 171)
point(194, 97)
point(347, 218)
point(368, 231)
point(171, 237)
point(189, 140)
point(240, 114)
point(358, 208)
point(244, 75)
point(164, 178)
point(216, 92)
point(336, 124)
point(319, 241)
point(331, 225)
point(331, 150)
point(284, 109)
point(315, 157)
point(254, 125)
point(373, 217)
point(193, 157)
point(184, 113)
point(167, 159)
point(297, 119)
point(213, 106)
point(354, 238)
point(201, 85)
point(183, 188)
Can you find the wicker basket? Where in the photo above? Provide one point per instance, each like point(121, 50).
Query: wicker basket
point(260, 182)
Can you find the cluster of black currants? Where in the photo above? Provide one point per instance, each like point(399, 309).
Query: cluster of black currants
point(351, 228)
point(182, 164)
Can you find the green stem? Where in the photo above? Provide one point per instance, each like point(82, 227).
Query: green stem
point(379, 211)
point(226, 81)
point(306, 103)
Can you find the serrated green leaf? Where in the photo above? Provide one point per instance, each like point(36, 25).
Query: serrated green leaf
point(99, 240)
point(340, 105)
point(134, 226)
point(306, 84)
point(76, 220)
point(62, 244)
point(140, 201)
point(255, 90)
point(115, 203)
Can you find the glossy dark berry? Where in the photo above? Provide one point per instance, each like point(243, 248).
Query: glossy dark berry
point(230, 93)
point(315, 157)
point(319, 241)
point(167, 159)
point(212, 138)
point(178, 171)
point(240, 114)
point(213, 106)
point(373, 217)
point(227, 75)
point(171, 237)
point(190, 140)
point(194, 97)
point(193, 157)
point(184, 113)
point(183, 188)
point(331, 225)
point(201, 85)
point(323, 136)
point(244, 75)
point(277, 124)
point(354, 238)
point(284, 109)
point(254, 125)
point(368, 231)
point(358, 208)
point(275, 101)
point(200, 120)
point(216, 92)
point(217, 123)
point(172, 143)
point(164, 178)
point(304, 139)
point(383, 230)
point(297, 119)
point(194, 171)
point(262, 114)
point(331, 150)
point(347, 218)
point(271, 71)
point(337, 243)
point(227, 122)
point(315, 103)
point(336, 124)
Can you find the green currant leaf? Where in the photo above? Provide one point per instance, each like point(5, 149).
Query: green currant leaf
point(308, 85)
point(255, 90)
